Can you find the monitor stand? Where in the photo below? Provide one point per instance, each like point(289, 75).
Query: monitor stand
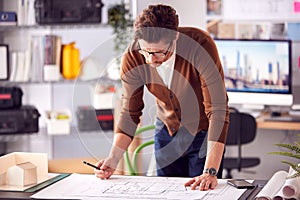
point(256, 110)
point(277, 111)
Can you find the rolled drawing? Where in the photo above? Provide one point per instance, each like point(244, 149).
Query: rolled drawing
point(291, 187)
point(273, 186)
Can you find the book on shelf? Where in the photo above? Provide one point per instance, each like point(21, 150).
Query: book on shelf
point(226, 30)
point(52, 56)
point(278, 31)
point(246, 31)
point(13, 67)
point(20, 66)
point(52, 49)
point(293, 30)
point(25, 13)
point(262, 31)
point(4, 62)
point(37, 58)
point(29, 65)
point(22, 6)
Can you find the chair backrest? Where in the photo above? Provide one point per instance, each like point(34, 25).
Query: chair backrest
point(242, 128)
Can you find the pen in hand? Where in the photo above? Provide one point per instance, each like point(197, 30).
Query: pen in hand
point(91, 165)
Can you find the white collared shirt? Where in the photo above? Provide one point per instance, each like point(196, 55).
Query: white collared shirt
point(166, 69)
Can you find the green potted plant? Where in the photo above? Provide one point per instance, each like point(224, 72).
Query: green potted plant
point(120, 20)
point(292, 151)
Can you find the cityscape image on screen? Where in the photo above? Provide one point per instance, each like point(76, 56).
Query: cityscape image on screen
point(260, 66)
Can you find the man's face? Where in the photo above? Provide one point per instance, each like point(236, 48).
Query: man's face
point(156, 53)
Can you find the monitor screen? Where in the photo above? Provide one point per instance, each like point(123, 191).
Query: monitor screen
point(256, 66)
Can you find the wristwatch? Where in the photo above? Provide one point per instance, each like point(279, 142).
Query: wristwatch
point(211, 171)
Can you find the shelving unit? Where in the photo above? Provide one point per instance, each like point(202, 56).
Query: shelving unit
point(51, 95)
point(247, 20)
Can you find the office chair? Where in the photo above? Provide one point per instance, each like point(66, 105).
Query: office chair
point(132, 163)
point(242, 130)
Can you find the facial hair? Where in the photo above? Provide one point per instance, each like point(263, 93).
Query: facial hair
point(155, 64)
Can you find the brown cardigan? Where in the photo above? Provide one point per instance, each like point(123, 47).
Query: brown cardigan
point(197, 99)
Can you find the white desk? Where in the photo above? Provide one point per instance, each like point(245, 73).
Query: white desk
point(87, 186)
point(276, 125)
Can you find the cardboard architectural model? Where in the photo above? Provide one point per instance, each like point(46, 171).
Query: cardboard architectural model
point(22, 174)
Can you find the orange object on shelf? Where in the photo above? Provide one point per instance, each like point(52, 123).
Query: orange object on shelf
point(70, 61)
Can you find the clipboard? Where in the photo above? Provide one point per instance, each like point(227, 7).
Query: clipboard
point(4, 62)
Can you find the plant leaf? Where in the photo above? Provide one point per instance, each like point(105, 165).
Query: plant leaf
point(291, 147)
point(295, 167)
point(288, 154)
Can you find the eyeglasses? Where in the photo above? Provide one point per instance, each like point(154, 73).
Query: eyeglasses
point(159, 55)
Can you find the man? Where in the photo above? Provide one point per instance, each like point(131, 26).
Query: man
point(181, 68)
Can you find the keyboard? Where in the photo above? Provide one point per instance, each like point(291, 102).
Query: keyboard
point(283, 119)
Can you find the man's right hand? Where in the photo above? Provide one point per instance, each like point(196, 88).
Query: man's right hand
point(107, 168)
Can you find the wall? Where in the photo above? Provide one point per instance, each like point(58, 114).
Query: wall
point(190, 11)
point(47, 96)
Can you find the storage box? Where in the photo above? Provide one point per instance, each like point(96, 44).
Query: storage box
point(10, 97)
point(19, 120)
point(91, 119)
point(58, 122)
point(103, 100)
point(86, 118)
point(105, 118)
point(51, 73)
point(67, 11)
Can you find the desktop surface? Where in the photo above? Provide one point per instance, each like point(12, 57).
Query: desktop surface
point(282, 122)
point(223, 191)
point(283, 119)
point(15, 195)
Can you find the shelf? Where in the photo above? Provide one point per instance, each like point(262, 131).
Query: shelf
point(52, 26)
point(214, 17)
point(8, 83)
point(104, 80)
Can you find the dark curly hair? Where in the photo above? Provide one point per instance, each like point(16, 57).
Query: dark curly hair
point(156, 23)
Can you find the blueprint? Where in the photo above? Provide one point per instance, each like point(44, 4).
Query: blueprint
point(83, 186)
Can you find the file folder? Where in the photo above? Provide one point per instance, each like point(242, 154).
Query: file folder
point(4, 60)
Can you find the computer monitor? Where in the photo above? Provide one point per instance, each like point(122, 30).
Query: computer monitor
point(257, 72)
